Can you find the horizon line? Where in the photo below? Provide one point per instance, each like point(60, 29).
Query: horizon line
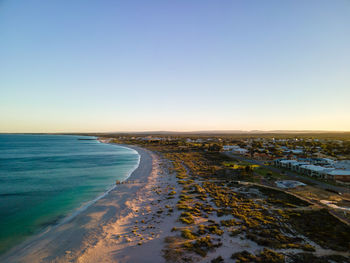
point(186, 132)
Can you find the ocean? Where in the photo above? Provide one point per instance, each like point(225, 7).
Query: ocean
point(46, 178)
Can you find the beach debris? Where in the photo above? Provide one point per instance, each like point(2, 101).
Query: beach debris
point(117, 182)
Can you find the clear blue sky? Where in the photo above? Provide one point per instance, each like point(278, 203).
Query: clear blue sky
point(129, 65)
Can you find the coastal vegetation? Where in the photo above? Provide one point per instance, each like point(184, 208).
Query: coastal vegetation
point(267, 255)
point(220, 199)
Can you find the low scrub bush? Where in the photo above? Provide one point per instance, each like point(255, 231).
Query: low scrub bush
point(186, 218)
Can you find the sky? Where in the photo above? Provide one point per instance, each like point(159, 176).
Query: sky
point(110, 65)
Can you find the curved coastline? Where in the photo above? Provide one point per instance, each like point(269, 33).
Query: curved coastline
point(76, 231)
point(84, 206)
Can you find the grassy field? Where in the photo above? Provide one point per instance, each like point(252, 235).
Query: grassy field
point(270, 175)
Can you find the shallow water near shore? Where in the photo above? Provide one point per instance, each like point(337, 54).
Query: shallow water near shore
point(44, 178)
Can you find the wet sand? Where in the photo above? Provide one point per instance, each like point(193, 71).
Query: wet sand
point(70, 242)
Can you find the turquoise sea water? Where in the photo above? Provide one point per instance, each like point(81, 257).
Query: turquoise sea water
point(44, 178)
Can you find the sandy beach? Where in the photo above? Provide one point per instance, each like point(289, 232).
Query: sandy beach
point(143, 220)
point(126, 225)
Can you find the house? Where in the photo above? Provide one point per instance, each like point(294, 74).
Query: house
point(235, 149)
point(345, 164)
point(229, 147)
point(261, 156)
point(312, 170)
point(342, 176)
point(240, 151)
point(307, 166)
point(284, 163)
point(297, 151)
point(322, 161)
point(296, 165)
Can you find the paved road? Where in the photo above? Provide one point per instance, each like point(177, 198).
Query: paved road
point(291, 174)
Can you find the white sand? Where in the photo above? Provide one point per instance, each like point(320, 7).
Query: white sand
point(125, 226)
point(104, 231)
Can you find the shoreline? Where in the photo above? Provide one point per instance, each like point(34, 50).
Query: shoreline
point(80, 230)
point(87, 204)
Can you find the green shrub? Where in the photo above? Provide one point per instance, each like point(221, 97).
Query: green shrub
point(308, 247)
point(186, 233)
point(219, 259)
point(266, 255)
point(235, 232)
point(230, 222)
point(201, 246)
point(214, 229)
point(186, 218)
